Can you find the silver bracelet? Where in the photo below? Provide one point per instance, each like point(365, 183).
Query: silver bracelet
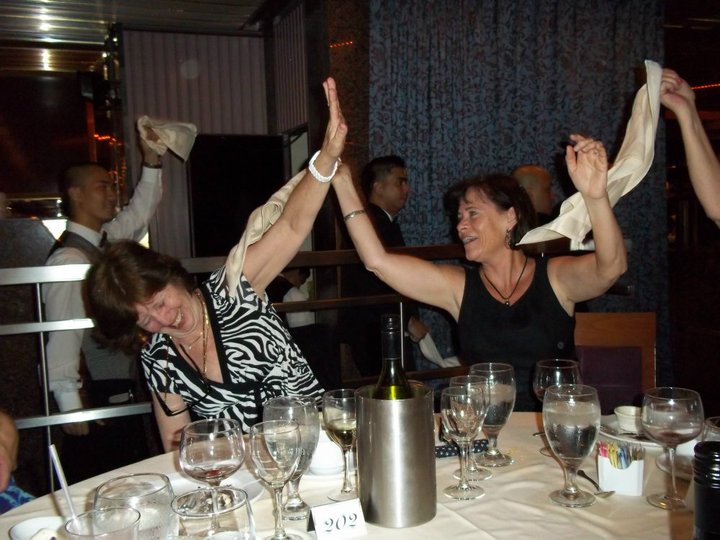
point(319, 177)
point(350, 215)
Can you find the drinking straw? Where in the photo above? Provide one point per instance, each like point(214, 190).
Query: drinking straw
point(61, 476)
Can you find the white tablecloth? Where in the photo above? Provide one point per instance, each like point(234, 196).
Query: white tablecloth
point(516, 504)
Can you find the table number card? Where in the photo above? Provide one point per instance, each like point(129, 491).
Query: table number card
point(343, 519)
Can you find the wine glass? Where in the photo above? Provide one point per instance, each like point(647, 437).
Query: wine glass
point(275, 451)
point(551, 372)
point(463, 410)
point(501, 382)
point(571, 417)
point(473, 472)
point(340, 420)
point(302, 410)
point(671, 416)
point(211, 450)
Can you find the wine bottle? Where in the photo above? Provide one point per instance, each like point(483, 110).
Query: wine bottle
point(393, 383)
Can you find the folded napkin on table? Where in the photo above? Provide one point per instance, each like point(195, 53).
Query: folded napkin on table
point(259, 221)
point(179, 137)
point(630, 167)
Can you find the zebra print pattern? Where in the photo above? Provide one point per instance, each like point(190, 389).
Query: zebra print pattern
point(258, 358)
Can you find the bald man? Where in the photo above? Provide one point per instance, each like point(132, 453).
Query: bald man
point(537, 181)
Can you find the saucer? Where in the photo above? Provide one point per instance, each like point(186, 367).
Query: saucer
point(25, 530)
point(241, 479)
point(610, 429)
point(683, 465)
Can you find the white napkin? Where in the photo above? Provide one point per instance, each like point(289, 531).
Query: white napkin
point(431, 353)
point(631, 165)
point(179, 137)
point(259, 221)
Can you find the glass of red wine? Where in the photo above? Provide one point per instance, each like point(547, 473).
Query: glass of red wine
point(211, 450)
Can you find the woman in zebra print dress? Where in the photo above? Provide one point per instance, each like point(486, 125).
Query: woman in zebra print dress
point(220, 349)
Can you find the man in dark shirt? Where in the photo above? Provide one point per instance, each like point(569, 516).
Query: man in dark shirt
point(384, 182)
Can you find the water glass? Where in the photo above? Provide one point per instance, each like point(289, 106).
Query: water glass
point(105, 524)
point(711, 429)
point(226, 515)
point(501, 382)
point(571, 419)
point(302, 410)
point(149, 493)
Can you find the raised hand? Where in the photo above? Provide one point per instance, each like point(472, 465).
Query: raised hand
point(588, 166)
point(334, 141)
point(675, 92)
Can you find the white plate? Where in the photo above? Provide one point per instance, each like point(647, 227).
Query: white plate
point(241, 479)
point(609, 428)
point(25, 530)
point(683, 465)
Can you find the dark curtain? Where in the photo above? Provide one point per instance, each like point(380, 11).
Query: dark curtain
point(463, 87)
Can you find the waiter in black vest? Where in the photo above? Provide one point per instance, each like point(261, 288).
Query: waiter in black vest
point(89, 197)
point(384, 182)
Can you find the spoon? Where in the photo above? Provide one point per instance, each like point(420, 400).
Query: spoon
point(599, 492)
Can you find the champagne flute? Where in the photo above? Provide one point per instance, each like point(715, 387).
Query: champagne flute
point(275, 451)
point(302, 410)
point(671, 416)
point(211, 450)
point(473, 472)
point(571, 417)
point(463, 410)
point(339, 415)
point(549, 373)
point(501, 382)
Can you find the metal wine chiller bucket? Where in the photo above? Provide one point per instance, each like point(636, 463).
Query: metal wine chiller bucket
point(396, 457)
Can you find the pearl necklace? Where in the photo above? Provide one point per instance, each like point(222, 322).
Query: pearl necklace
point(507, 298)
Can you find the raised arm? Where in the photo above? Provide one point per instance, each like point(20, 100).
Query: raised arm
point(702, 162)
point(576, 279)
point(437, 285)
point(266, 258)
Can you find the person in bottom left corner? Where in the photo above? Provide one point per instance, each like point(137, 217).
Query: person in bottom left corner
point(11, 496)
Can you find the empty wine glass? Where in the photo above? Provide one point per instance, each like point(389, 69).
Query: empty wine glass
point(473, 472)
point(463, 410)
point(571, 417)
point(275, 452)
point(339, 416)
point(671, 416)
point(501, 382)
point(551, 372)
point(211, 450)
point(302, 410)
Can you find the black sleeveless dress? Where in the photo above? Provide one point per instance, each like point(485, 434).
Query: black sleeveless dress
point(534, 328)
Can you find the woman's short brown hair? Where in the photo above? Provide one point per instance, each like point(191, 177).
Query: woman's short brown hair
point(504, 192)
point(128, 274)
